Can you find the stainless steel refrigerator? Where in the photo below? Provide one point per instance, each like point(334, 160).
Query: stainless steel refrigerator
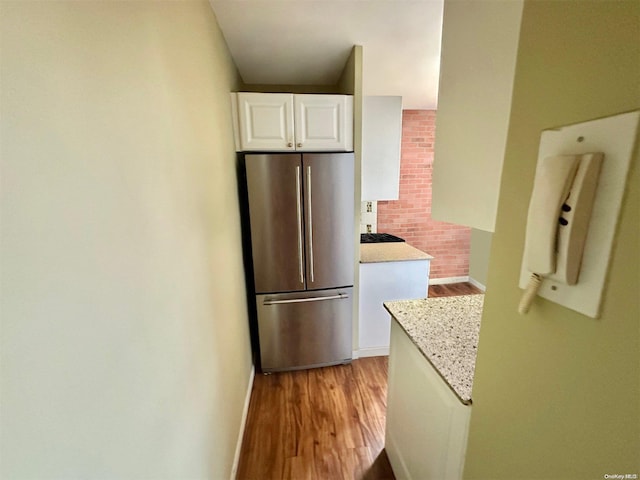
point(302, 240)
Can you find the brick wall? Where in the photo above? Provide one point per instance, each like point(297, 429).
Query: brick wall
point(410, 216)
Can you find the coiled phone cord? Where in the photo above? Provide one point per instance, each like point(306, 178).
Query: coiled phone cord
point(529, 293)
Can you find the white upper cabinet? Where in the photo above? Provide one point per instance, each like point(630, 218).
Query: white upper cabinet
point(323, 122)
point(381, 139)
point(266, 121)
point(474, 104)
point(287, 122)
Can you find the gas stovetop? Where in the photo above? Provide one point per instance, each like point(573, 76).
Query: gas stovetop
point(379, 238)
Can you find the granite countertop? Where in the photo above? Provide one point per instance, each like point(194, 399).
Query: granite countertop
point(390, 252)
point(445, 330)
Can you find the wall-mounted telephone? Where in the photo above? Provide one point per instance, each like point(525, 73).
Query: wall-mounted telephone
point(558, 219)
point(561, 218)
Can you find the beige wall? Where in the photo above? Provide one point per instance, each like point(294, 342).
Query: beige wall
point(556, 393)
point(125, 349)
point(287, 88)
point(479, 43)
point(350, 83)
point(479, 255)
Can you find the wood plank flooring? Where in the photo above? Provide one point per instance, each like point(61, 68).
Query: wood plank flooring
point(451, 289)
point(322, 424)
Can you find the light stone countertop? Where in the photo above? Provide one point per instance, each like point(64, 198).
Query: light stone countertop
point(446, 331)
point(390, 252)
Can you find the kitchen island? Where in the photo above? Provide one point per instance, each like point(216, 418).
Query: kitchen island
point(388, 271)
point(431, 365)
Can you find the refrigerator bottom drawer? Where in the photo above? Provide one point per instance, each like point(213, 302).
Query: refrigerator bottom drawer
point(305, 329)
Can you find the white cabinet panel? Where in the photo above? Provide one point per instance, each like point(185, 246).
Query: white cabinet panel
point(266, 121)
point(323, 122)
point(474, 104)
point(427, 426)
point(273, 122)
point(381, 141)
point(382, 282)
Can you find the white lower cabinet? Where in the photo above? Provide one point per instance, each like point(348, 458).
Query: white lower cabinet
point(383, 282)
point(427, 425)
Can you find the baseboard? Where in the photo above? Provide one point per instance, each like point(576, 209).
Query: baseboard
point(243, 423)
point(442, 281)
point(373, 352)
point(477, 284)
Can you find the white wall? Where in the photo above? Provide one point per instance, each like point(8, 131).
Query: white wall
point(125, 345)
point(478, 59)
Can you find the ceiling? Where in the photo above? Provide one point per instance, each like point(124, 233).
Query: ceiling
point(307, 42)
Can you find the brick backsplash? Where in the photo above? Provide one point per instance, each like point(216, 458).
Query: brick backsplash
point(410, 216)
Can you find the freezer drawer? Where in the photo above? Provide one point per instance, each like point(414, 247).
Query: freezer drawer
point(305, 330)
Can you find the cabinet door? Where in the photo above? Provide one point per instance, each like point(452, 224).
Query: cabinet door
point(473, 129)
point(266, 121)
point(381, 138)
point(324, 122)
point(427, 426)
point(382, 282)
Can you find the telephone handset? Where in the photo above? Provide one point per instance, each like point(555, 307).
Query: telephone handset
point(558, 219)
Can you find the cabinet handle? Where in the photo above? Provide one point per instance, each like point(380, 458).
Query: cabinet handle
point(299, 145)
point(289, 144)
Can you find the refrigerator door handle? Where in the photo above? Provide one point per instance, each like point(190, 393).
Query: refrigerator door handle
point(309, 205)
point(339, 296)
point(299, 212)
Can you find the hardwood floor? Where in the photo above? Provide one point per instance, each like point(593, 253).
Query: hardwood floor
point(451, 289)
point(325, 423)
